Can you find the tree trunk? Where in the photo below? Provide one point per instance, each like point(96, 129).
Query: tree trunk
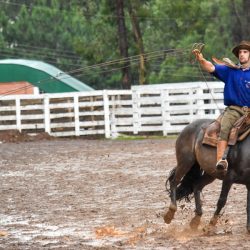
point(246, 19)
point(139, 42)
point(123, 44)
point(240, 25)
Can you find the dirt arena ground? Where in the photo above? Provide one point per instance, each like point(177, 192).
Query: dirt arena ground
point(104, 194)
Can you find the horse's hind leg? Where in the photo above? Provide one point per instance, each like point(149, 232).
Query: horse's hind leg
point(173, 206)
point(174, 179)
point(205, 180)
point(185, 161)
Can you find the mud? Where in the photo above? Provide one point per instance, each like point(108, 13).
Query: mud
point(105, 194)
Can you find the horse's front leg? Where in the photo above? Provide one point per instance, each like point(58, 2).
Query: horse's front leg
point(173, 206)
point(195, 222)
point(226, 185)
point(205, 180)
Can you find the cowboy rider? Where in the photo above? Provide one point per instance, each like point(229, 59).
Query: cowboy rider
point(236, 93)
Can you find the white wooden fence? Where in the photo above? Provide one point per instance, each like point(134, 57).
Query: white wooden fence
point(164, 108)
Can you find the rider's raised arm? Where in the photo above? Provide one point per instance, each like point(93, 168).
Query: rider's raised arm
point(206, 65)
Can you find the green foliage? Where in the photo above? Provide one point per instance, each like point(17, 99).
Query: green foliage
point(82, 34)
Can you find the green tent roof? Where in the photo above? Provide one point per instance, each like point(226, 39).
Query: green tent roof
point(46, 77)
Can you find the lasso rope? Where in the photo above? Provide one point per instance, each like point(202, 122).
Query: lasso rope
point(199, 47)
point(132, 60)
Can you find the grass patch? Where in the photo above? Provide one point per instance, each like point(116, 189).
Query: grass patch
point(144, 137)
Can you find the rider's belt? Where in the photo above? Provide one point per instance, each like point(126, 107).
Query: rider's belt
point(243, 110)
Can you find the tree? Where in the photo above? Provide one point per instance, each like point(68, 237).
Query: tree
point(240, 19)
point(123, 44)
point(139, 41)
point(94, 39)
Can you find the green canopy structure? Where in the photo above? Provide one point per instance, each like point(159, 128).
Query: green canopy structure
point(46, 77)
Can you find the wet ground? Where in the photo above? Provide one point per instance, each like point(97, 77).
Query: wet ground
point(105, 194)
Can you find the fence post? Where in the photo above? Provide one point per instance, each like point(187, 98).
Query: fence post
point(18, 114)
point(46, 114)
point(106, 114)
point(136, 111)
point(191, 93)
point(165, 111)
point(113, 131)
point(76, 115)
point(200, 102)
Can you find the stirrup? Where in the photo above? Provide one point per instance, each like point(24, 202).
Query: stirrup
point(222, 164)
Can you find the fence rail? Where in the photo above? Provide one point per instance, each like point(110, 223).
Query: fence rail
point(165, 108)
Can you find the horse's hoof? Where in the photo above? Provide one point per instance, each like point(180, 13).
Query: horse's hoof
point(214, 220)
point(195, 222)
point(209, 229)
point(169, 216)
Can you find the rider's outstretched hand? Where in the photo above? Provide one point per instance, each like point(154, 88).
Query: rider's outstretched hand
point(198, 55)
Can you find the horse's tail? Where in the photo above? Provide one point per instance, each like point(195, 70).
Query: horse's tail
point(185, 187)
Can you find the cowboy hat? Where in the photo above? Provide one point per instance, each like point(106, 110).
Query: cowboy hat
point(242, 45)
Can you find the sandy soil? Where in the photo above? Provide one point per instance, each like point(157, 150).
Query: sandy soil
point(104, 194)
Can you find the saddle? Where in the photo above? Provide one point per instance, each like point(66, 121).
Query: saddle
point(239, 131)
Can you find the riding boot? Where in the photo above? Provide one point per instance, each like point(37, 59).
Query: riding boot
point(221, 164)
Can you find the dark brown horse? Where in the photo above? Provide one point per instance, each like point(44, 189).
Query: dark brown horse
point(196, 168)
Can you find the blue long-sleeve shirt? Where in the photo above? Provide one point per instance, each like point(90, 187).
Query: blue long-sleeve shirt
point(237, 85)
